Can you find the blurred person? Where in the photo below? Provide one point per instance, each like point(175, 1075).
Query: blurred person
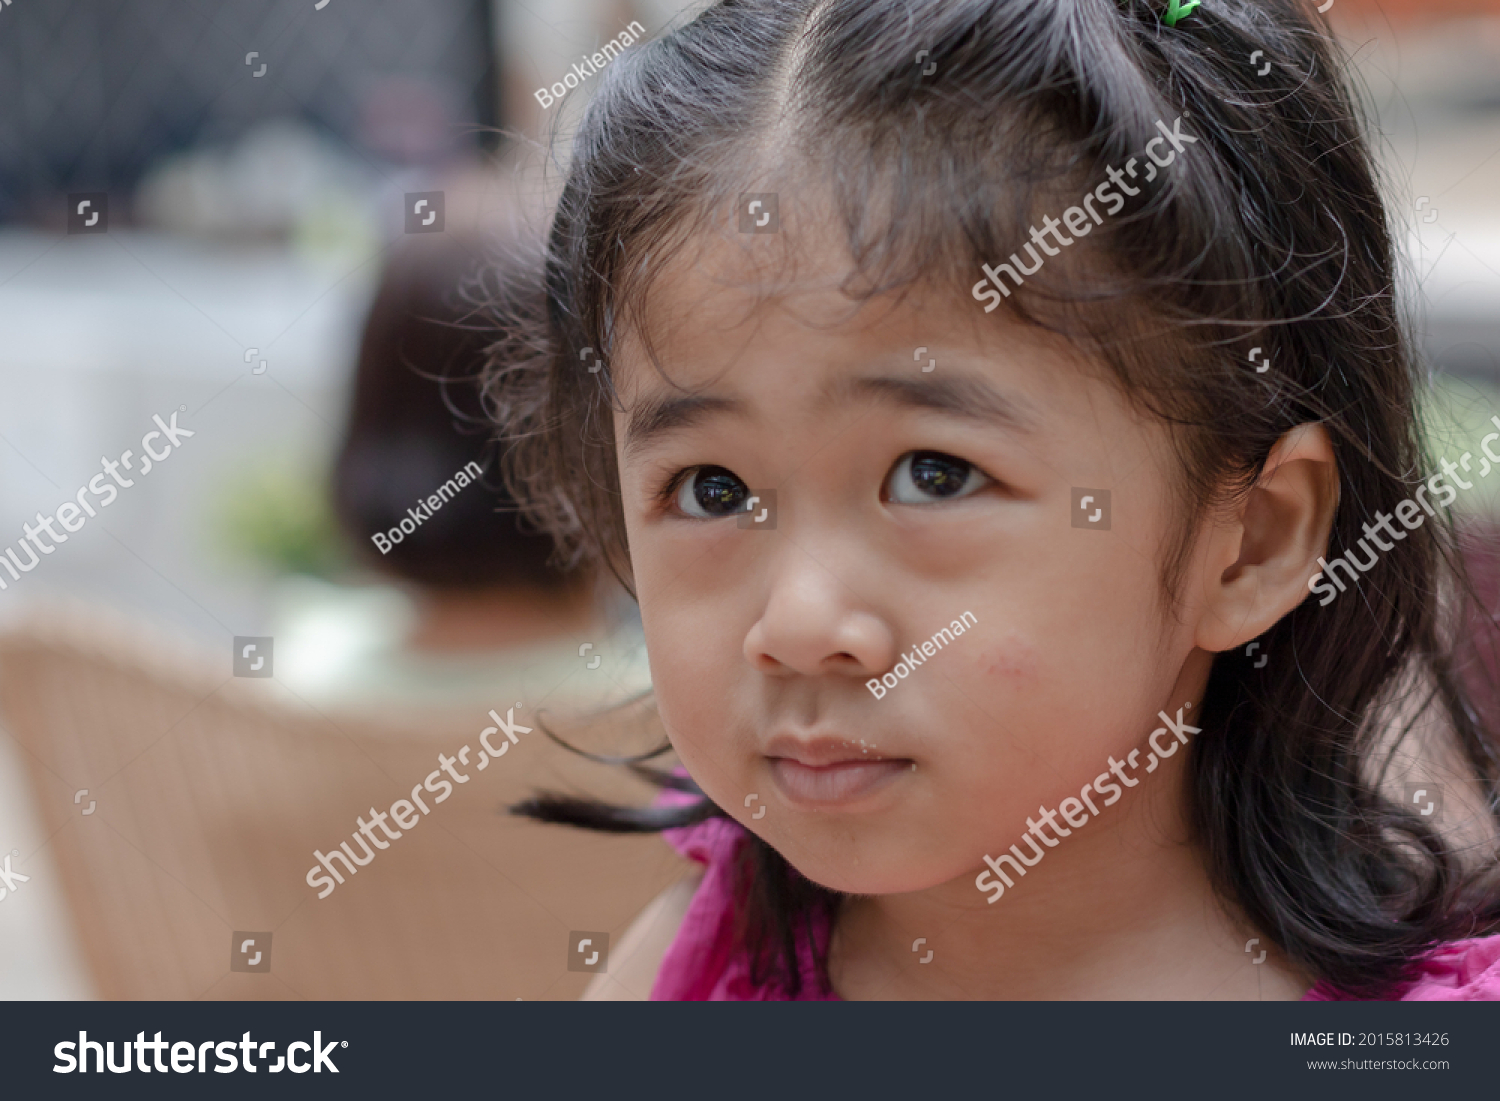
point(472, 601)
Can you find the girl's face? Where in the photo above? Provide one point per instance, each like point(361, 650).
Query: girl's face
point(892, 499)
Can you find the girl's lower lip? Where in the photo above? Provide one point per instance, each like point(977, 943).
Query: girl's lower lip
point(834, 784)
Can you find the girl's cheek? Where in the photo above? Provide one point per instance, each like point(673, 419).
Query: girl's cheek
point(691, 696)
point(1011, 662)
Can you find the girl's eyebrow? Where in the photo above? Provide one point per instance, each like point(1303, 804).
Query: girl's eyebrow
point(657, 417)
point(956, 395)
point(960, 396)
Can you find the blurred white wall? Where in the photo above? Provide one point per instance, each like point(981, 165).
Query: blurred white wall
point(102, 332)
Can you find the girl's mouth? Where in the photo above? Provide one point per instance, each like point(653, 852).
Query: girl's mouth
point(837, 783)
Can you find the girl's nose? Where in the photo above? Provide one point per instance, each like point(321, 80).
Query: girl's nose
point(815, 624)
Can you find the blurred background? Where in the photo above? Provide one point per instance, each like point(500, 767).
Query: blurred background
point(257, 270)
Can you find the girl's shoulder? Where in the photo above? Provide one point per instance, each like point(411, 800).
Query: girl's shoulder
point(636, 959)
point(1462, 971)
point(706, 961)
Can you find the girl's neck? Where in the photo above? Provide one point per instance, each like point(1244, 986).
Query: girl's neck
point(1092, 921)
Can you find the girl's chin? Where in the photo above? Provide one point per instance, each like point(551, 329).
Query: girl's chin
point(867, 882)
point(829, 862)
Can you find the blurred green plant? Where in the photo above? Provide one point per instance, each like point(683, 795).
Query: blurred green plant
point(1454, 415)
point(280, 518)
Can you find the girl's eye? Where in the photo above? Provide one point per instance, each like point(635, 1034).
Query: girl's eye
point(709, 492)
point(922, 477)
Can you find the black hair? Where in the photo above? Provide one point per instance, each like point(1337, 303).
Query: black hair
point(1268, 232)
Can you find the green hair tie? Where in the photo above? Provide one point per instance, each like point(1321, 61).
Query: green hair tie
point(1178, 10)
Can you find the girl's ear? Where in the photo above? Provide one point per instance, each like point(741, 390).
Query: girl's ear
point(1260, 558)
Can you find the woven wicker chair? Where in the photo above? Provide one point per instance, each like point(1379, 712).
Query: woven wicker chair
point(213, 792)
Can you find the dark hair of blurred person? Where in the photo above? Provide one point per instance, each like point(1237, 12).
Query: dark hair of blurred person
point(480, 579)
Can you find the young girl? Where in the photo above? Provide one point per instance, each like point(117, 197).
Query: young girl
point(954, 536)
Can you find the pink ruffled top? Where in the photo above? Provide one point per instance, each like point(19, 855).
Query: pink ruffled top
point(706, 963)
point(1463, 971)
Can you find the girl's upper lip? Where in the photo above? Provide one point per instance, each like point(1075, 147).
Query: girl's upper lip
point(823, 751)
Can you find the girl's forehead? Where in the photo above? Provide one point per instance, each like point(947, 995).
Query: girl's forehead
point(724, 311)
point(720, 290)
